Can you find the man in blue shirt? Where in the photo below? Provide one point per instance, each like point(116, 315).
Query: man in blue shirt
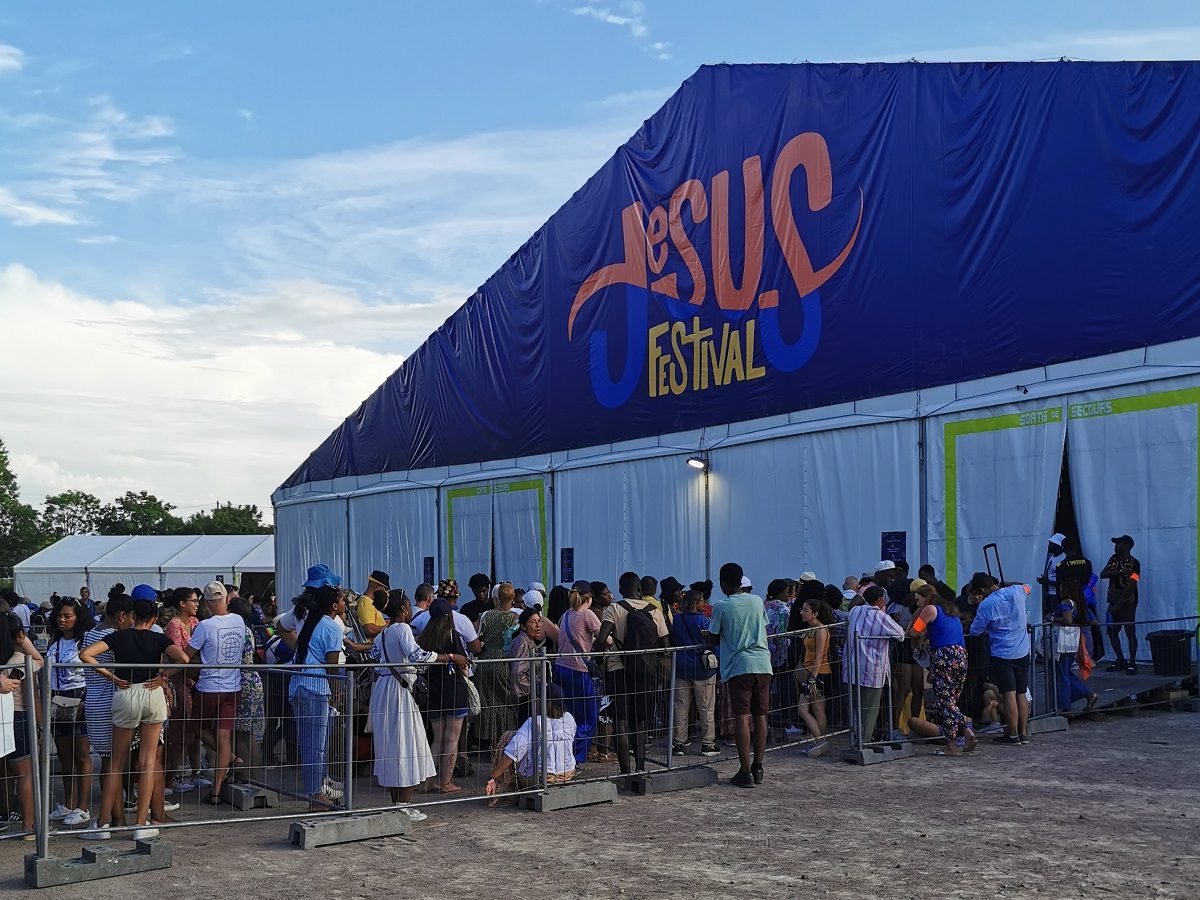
point(1002, 614)
point(740, 627)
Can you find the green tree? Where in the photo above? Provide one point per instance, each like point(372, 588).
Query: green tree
point(226, 518)
point(140, 513)
point(71, 512)
point(20, 536)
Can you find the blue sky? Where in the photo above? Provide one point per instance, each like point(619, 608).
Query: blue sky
point(199, 200)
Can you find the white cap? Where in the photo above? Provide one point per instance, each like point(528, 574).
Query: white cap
point(848, 595)
point(1057, 538)
point(884, 565)
point(808, 576)
point(537, 586)
point(532, 598)
point(746, 582)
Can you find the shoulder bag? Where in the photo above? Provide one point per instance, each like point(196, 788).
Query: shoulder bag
point(419, 688)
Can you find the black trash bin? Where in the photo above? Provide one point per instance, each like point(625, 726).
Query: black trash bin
point(1171, 650)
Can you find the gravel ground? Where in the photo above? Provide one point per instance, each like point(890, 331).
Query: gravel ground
point(1109, 808)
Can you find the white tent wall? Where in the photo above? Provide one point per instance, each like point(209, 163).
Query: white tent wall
point(62, 566)
point(1134, 463)
point(208, 557)
point(816, 501)
point(992, 476)
point(520, 531)
point(138, 560)
point(467, 533)
point(260, 559)
point(393, 532)
point(644, 515)
point(310, 533)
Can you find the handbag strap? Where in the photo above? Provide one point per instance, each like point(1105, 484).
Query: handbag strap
point(387, 660)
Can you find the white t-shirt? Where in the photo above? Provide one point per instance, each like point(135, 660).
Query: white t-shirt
point(462, 625)
point(560, 749)
point(21, 611)
point(220, 640)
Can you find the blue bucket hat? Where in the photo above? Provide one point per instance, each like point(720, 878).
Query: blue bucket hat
point(144, 592)
point(321, 575)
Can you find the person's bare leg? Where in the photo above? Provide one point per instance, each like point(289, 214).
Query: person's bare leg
point(1022, 714)
point(805, 711)
point(147, 770)
point(66, 761)
point(453, 730)
point(818, 710)
point(224, 757)
point(761, 731)
point(111, 810)
point(83, 768)
point(741, 736)
point(1009, 703)
point(158, 800)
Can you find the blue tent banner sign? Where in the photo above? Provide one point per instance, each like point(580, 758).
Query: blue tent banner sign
point(784, 237)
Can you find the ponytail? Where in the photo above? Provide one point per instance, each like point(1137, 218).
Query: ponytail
point(320, 602)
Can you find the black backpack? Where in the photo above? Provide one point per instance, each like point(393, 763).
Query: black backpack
point(641, 633)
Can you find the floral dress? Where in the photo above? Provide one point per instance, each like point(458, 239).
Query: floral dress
point(251, 715)
point(496, 629)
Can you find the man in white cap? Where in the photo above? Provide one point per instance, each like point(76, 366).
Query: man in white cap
point(1055, 554)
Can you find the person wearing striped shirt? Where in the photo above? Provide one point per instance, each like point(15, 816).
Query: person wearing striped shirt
point(868, 662)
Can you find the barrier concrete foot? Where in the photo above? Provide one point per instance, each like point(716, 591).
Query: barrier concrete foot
point(310, 833)
point(97, 861)
point(869, 756)
point(249, 796)
point(673, 780)
point(1048, 724)
point(568, 796)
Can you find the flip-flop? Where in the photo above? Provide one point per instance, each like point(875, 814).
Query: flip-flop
point(445, 789)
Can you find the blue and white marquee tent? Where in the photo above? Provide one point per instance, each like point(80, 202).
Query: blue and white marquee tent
point(879, 298)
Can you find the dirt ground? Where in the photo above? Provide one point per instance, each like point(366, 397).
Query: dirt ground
point(1107, 809)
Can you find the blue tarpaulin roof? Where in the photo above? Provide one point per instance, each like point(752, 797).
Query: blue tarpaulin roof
point(783, 237)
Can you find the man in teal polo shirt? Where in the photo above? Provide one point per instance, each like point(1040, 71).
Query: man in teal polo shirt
point(739, 626)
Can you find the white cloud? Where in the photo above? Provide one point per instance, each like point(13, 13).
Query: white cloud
point(24, 212)
point(11, 59)
point(630, 15)
point(247, 114)
point(196, 402)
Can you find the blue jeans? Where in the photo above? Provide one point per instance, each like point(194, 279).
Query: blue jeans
point(312, 730)
point(1070, 685)
point(579, 697)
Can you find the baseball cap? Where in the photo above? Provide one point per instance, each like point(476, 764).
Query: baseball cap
point(144, 592)
point(532, 598)
point(808, 576)
point(584, 588)
point(214, 590)
point(848, 595)
point(746, 585)
point(1123, 539)
point(885, 565)
point(1057, 538)
point(537, 586)
point(916, 584)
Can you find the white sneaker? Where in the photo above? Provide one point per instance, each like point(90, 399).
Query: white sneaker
point(144, 834)
point(60, 812)
point(170, 807)
point(77, 817)
point(415, 814)
point(95, 833)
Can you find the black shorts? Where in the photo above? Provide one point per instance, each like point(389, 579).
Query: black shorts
point(1122, 615)
point(1010, 674)
point(20, 735)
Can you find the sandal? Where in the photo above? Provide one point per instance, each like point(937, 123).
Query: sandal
point(449, 789)
point(213, 800)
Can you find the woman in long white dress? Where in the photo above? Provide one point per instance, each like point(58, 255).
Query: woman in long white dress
point(402, 755)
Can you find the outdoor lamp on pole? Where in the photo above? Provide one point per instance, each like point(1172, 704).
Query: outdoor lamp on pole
point(698, 461)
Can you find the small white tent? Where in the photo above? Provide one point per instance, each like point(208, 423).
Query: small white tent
point(62, 567)
point(99, 561)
